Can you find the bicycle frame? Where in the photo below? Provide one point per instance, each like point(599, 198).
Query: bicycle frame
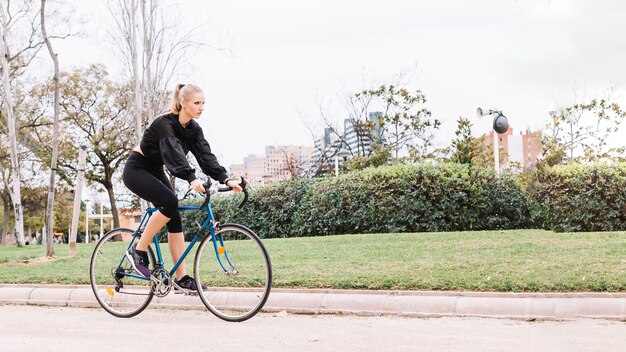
point(208, 224)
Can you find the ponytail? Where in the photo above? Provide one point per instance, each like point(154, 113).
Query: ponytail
point(182, 93)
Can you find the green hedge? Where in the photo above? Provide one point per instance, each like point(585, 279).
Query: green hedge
point(580, 197)
point(399, 198)
point(431, 198)
point(403, 198)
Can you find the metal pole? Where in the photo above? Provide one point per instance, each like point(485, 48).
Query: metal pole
point(86, 221)
point(496, 152)
point(336, 166)
point(101, 221)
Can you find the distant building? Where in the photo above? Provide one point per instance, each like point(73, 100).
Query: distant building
point(286, 162)
point(357, 139)
point(360, 137)
point(254, 168)
point(279, 163)
point(237, 169)
point(523, 149)
point(130, 219)
point(326, 149)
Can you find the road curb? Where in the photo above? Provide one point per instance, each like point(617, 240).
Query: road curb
point(526, 306)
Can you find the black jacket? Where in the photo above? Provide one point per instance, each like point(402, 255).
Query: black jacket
point(167, 143)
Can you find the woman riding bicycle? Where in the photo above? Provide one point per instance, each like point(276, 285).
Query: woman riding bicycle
point(166, 142)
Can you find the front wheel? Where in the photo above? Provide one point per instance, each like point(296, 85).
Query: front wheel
point(118, 288)
point(236, 270)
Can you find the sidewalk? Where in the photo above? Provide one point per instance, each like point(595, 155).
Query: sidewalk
point(526, 306)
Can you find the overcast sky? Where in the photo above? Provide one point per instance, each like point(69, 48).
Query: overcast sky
point(523, 57)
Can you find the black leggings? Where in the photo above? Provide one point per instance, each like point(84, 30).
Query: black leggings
point(150, 183)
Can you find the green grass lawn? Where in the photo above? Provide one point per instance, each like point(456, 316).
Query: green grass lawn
point(527, 260)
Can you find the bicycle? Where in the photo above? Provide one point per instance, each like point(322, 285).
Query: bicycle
point(236, 287)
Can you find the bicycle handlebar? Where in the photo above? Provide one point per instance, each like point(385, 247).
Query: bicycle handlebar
point(244, 183)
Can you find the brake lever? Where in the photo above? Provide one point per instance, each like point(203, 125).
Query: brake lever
point(207, 195)
point(244, 183)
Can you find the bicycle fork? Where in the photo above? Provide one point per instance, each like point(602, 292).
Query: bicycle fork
point(221, 249)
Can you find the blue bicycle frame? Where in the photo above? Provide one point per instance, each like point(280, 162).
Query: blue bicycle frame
point(208, 223)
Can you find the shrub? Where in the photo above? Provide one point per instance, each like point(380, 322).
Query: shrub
point(398, 198)
point(582, 197)
point(429, 198)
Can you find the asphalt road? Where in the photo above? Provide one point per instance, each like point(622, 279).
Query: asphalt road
point(32, 328)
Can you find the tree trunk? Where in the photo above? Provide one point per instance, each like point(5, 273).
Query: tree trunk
point(16, 195)
point(148, 16)
point(6, 207)
point(11, 237)
point(136, 72)
point(116, 218)
point(55, 143)
point(82, 155)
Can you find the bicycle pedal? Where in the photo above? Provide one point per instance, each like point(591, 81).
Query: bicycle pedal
point(186, 292)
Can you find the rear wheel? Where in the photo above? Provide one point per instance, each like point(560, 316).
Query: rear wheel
point(236, 271)
point(118, 288)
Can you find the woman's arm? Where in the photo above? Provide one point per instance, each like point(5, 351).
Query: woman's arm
point(172, 152)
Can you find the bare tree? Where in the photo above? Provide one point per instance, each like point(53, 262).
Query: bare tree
point(155, 46)
point(7, 20)
point(357, 139)
point(55, 138)
point(323, 150)
point(293, 164)
point(125, 15)
point(581, 132)
point(19, 45)
point(6, 203)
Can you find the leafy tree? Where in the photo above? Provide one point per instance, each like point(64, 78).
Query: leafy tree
point(34, 200)
point(465, 148)
point(380, 156)
point(406, 123)
point(580, 133)
point(96, 112)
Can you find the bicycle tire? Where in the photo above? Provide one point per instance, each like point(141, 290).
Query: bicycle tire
point(242, 293)
point(109, 255)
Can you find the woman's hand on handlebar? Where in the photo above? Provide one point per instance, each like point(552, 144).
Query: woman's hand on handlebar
point(234, 184)
point(197, 186)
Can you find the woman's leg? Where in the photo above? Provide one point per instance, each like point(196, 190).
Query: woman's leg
point(156, 222)
point(150, 183)
point(176, 242)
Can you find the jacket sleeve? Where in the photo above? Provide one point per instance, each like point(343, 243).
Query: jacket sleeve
point(173, 155)
point(208, 162)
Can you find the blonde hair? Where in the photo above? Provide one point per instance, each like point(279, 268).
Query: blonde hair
point(182, 92)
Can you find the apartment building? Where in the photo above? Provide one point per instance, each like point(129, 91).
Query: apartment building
point(279, 163)
point(326, 148)
point(286, 162)
point(357, 139)
point(523, 149)
point(254, 168)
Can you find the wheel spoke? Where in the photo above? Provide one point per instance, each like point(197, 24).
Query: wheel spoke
point(117, 290)
point(238, 288)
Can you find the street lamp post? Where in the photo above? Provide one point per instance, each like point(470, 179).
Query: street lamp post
point(101, 221)
point(87, 202)
point(500, 125)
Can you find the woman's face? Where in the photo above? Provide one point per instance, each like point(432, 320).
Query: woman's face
point(194, 105)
